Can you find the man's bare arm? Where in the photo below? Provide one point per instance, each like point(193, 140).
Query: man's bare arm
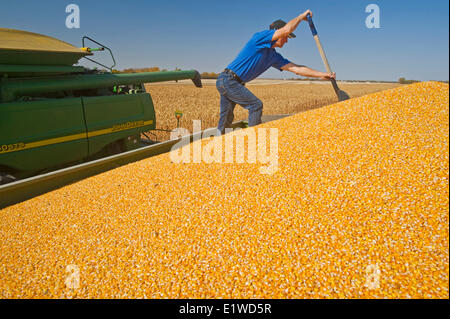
point(290, 26)
point(303, 70)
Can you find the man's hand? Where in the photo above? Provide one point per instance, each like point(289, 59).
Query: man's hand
point(303, 70)
point(328, 76)
point(305, 14)
point(291, 26)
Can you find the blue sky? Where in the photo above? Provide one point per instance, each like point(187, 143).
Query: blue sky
point(413, 41)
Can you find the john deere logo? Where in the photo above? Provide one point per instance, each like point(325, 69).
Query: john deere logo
point(127, 125)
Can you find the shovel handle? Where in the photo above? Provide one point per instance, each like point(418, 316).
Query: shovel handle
point(319, 45)
point(311, 25)
point(322, 52)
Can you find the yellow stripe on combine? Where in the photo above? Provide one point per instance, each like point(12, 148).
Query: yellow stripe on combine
point(120, 127)
point(23, 146)
point(20, 146)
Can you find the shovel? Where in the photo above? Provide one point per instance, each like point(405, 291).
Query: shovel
point(342, 96)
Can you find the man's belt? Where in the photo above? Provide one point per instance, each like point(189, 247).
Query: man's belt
point(234, 75)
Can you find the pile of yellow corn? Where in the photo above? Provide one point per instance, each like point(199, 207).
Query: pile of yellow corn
point(358, 208)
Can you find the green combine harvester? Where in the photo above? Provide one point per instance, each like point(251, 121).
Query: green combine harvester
point(54, 114)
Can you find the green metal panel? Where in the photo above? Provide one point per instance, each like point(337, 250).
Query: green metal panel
point(37, 70)
point(30, 129)
point(111, 118)
point(11, 89)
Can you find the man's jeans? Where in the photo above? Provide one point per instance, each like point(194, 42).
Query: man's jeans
point(231, 93)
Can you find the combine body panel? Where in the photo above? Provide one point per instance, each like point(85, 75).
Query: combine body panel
point(39, 134)
point(135, 112)
point(54, 114)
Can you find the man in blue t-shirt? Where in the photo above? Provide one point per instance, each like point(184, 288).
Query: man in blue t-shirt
point(255, 58)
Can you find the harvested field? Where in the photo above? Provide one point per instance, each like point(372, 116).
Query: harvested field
point(203, 104)
point(358, 208)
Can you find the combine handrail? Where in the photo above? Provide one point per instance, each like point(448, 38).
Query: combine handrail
point(103, 47)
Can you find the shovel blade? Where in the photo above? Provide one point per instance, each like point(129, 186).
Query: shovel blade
point(343, 96)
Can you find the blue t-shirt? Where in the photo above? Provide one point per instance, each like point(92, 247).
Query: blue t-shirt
point(257, 56)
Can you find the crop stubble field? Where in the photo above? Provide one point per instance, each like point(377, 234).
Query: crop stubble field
point(203, 103)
